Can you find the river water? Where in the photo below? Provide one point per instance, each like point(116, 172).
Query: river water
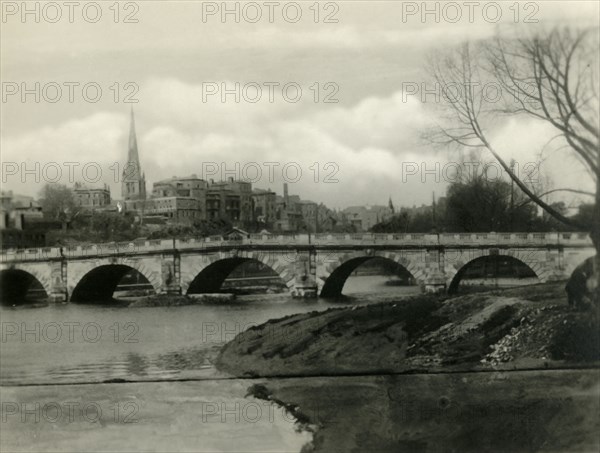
point(74, 343)
point(77, 344)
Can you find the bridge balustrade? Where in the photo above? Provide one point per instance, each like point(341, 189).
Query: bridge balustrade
point(574, 238)
point(141, 246)
point(322, 240)
point(189, 243)
point(380, 237)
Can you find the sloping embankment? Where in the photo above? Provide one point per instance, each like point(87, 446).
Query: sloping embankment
point(529, 327)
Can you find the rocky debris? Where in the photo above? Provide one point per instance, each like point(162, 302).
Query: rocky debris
point(531, 338)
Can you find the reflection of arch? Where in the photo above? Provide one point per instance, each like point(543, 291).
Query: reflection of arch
point(336, 272)
point(454, 279)
point(100, 283)
point(15, 282)
point(211, 277)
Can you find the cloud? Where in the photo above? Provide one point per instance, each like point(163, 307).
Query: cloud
point(340, 155)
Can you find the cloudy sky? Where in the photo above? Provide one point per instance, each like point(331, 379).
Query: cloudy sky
point(173, 58)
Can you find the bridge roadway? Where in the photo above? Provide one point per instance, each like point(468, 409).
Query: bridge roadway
point(310, 265)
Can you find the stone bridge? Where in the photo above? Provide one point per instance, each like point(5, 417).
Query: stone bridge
point(310, 265)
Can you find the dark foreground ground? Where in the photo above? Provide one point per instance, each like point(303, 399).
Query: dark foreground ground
point(520, 411)
point(509, 370)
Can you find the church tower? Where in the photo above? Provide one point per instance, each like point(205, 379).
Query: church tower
point(133, 181)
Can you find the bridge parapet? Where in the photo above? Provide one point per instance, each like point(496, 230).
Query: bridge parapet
point(31, 254)
point(575, 238)
point(516, 239)
point(566, 239)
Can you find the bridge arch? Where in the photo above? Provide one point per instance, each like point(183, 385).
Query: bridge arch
point(16, 281)
point(209, 275)
point(98, 281)
point(457, 273)
point(335, 273)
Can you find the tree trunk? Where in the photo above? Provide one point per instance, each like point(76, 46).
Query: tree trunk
point(595, 235)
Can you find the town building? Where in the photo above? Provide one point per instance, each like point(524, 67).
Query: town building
point(288, 214)
point(363, 218)
point(21, 221)
point(310, 216)
point(230, 200)
point(91, 197)
point(265, 206)
point(178, 199)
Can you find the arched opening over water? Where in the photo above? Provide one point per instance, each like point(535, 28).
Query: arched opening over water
point(18, 287)
point(492, 271)
point(101, 284)
point(368, 274)
point(237, 275)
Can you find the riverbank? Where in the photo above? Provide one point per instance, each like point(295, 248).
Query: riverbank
point(518, 328)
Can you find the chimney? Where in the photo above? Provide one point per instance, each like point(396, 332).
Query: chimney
point(231, 179)
point(285, 193)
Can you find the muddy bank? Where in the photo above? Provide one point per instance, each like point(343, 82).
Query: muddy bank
point(519, 328)
point(522, 411)
point(174, 300)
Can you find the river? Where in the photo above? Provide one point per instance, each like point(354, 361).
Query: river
point(93, 343)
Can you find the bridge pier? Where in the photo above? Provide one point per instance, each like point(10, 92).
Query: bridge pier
point(171, 274)
point(303, 291)
point(58, 279)
point(434, 270)
point(435, 283)
point(304, 270)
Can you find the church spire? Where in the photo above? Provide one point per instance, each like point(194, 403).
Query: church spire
point(133, 184)
point(132, 155)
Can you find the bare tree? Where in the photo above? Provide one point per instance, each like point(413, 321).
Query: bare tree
point(552, 76)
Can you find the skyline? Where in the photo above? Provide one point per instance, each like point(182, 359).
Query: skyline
point(371, 134)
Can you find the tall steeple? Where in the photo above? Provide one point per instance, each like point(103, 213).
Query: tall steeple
point(133, 183)
point(132, 155)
